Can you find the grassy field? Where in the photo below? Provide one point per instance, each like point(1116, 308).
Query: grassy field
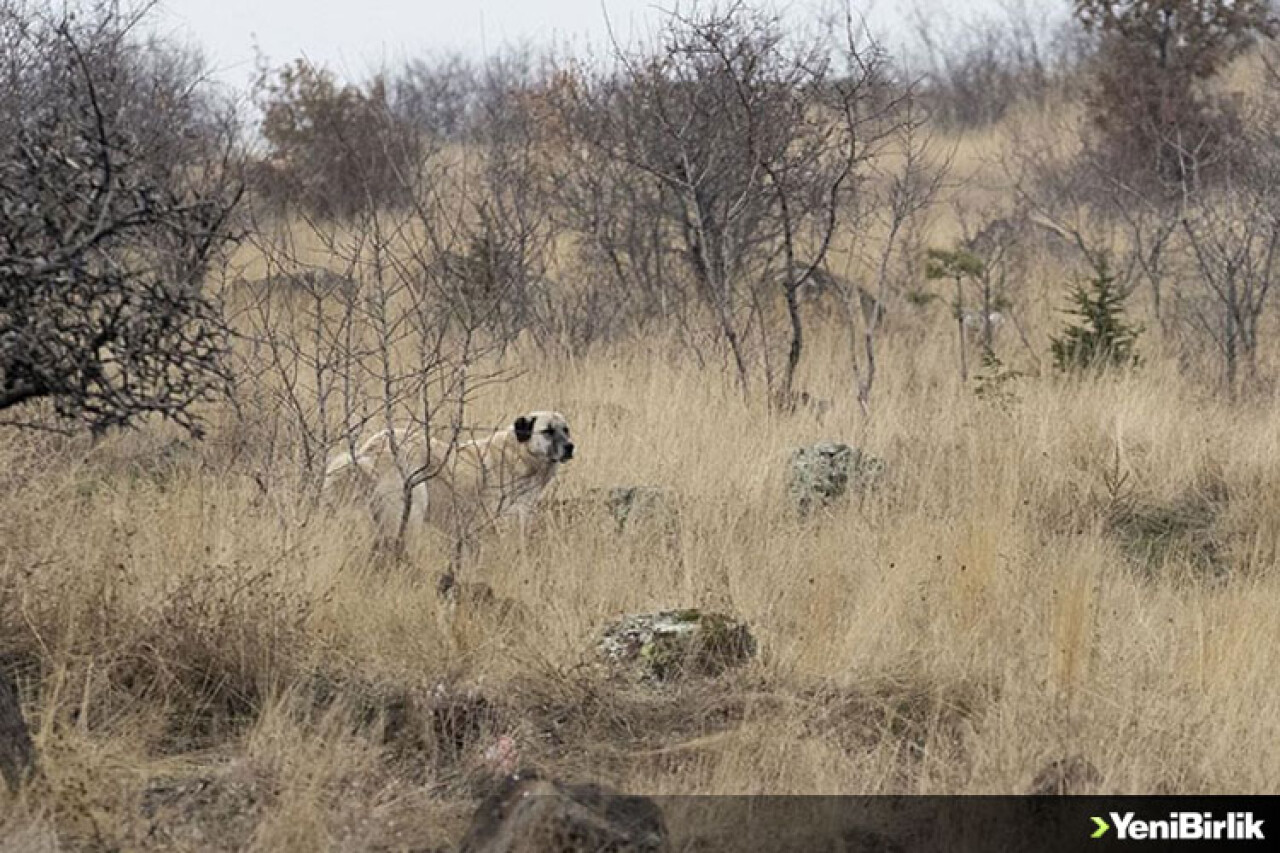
point(1069, 569)
point(1053, 568)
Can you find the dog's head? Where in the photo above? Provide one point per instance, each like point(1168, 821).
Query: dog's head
point(545, 435)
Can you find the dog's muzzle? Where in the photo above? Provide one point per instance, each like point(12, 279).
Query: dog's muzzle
point(567, 453)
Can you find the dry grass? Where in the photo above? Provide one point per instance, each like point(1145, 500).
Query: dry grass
point(208, 665)
point(210, 661)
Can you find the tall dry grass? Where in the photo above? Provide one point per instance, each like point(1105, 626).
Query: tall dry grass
point(211, 661)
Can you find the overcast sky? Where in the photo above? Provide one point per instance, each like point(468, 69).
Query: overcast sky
point(354, 37)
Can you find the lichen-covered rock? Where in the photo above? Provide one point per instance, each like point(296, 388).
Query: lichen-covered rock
point(531, 815)
point(824, 472)
point(217, 809)
point(659, 647)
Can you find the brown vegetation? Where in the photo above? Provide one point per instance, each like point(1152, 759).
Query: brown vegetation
point(1061, 581)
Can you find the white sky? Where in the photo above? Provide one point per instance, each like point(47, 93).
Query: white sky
point(355, 37)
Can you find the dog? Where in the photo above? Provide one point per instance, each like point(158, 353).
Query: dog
point(474, 483)
point(378, 471)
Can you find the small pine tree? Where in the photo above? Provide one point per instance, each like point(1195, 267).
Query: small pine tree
point(956, 265)
point(1102, 338)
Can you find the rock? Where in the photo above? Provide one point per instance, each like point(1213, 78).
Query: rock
point(446, 723)
point(824, 472)
point(1066, 777)
point(659, 647)
point(531, 815)
point(17, 755)
point(394, 710)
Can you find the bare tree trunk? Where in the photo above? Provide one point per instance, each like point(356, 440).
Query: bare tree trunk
point(17, 755)
point(796, 348)
point(988, 337)
point(739, 358)
point(1231, 336)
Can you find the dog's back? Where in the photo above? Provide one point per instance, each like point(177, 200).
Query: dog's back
point(378, 472)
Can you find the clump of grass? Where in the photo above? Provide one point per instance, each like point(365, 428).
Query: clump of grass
point(1183, 531)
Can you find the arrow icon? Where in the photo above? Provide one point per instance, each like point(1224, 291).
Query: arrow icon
point(1103, 826)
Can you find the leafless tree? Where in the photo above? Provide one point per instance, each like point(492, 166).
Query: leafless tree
point(360, 326)
point(1233, 232)
point(509, 254)
point(908, 185)
point(744, 147)
point(118, 174)
point(1203, 244)
point(618, 220)
point(977, 68)
point(1234, 238)
point(1079, 198)
point(438, 97)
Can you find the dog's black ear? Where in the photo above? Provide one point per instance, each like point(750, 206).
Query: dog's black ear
point(524, 428)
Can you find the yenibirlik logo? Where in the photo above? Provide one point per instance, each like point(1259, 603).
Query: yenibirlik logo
point(1183, 826)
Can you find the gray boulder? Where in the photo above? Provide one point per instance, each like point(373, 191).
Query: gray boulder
point(820, 474)
point(660, 647)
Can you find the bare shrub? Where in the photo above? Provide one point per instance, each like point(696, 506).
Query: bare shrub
point(391, 319)
point(732, 151)
point(118, 177)
point(893, 206)
point(1234, 237)
point(979, 68)
point(1148, 103)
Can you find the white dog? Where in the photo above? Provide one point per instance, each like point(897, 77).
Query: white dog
point(378, 472)
point(480, 481)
